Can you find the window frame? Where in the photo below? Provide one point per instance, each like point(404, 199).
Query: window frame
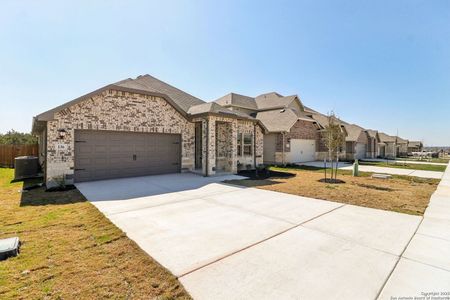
point(247, 145)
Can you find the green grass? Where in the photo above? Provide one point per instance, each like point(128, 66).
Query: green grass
point(433, 160)
point(72, 251)
point(422, 167)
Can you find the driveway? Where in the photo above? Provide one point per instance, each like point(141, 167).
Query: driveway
point(229, 242)
point(384, 170)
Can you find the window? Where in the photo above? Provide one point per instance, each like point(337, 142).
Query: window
point(248, 144)
point(239, 144)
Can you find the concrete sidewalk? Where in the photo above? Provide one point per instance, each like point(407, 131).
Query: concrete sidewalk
point(404, 161)
point(384, 170)
point(425, 264)
point(398, 171)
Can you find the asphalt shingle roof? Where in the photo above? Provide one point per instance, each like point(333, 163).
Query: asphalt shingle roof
point(152, 84)
point(237, 100)
point(384, 138)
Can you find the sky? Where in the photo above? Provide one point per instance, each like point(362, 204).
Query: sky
point(383, 65)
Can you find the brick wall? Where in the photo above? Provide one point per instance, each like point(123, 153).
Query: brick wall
point(300, 130)
point(118, 111)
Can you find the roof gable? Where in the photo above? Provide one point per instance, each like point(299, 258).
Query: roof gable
point(152, 84)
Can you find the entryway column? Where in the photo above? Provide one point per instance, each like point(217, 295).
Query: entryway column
point(234, 147)
point(211, 146)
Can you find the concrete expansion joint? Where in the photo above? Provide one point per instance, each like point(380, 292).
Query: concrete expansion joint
point(259, 242)
point(433, 237)
point(187, 198)
point(349, 240)
point(423, 263)
point(398, 260)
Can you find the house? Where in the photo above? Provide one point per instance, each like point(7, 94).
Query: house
point(323, 121)
point(356, 142)
point(372, 145)
point(290, 133)
point(144, 126)
point(402, 147)
point(387, 146)
point(414, 146)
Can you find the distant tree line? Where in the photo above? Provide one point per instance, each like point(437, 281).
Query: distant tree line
point(13, 137)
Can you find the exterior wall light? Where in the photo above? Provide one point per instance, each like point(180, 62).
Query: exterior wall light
point(61, 133)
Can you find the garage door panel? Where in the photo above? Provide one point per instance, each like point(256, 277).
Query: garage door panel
point(360, 151)
point(107, 154)
point(301, 150)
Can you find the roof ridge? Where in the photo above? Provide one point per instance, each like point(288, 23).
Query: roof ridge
point(159, 80)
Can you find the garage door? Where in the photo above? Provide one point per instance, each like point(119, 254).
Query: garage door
point(360, 151)
point(110, 154)
point(301, 151)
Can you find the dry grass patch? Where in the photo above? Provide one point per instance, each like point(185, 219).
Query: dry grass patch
point(401, 193)
point(71, 251)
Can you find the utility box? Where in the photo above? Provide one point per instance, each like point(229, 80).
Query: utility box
point(9, 247)
point(25, 167)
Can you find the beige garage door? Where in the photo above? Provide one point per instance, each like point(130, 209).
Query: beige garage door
point(103, 154)
point(360, 151)
point(301, 151)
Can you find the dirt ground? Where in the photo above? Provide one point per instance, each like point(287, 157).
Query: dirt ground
point(400, 193)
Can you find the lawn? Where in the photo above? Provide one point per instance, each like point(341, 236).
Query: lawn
point(434, 160)
point(422, 167)
point(71, 251)
point(400, 193)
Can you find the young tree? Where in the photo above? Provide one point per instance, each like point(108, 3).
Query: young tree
point(333, 138)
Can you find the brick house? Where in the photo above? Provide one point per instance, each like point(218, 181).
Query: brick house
point(290, 134)
point(372, 145)
point(387, 147)
point(143, 126)
point(402, 147)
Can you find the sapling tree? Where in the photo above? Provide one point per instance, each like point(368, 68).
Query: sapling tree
point(333, 138)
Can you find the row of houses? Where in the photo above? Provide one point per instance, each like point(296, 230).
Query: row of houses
point(293, 131)
point(144, 126)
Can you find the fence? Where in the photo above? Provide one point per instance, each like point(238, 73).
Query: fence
point(9, 152)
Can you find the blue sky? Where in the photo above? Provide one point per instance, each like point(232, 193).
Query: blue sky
point(380, 64)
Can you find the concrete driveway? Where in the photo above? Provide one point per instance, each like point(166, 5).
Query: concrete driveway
point(229, 242)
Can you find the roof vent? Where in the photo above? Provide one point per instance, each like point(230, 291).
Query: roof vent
point(283, 110)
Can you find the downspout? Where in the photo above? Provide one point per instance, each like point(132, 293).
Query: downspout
point(283, 152)
point(207, 149)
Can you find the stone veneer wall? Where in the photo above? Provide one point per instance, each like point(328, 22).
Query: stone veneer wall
point(233, 126)
point(117, 111)
point(224, 151)
point(249, 128)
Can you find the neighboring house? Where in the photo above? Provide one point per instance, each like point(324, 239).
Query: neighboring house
point(290, 133)
point(372, 145)
point(143, 126)
point(402, 147)
point(322, 121)
point(387, 146)
point(414, 146)
point(356, 142)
